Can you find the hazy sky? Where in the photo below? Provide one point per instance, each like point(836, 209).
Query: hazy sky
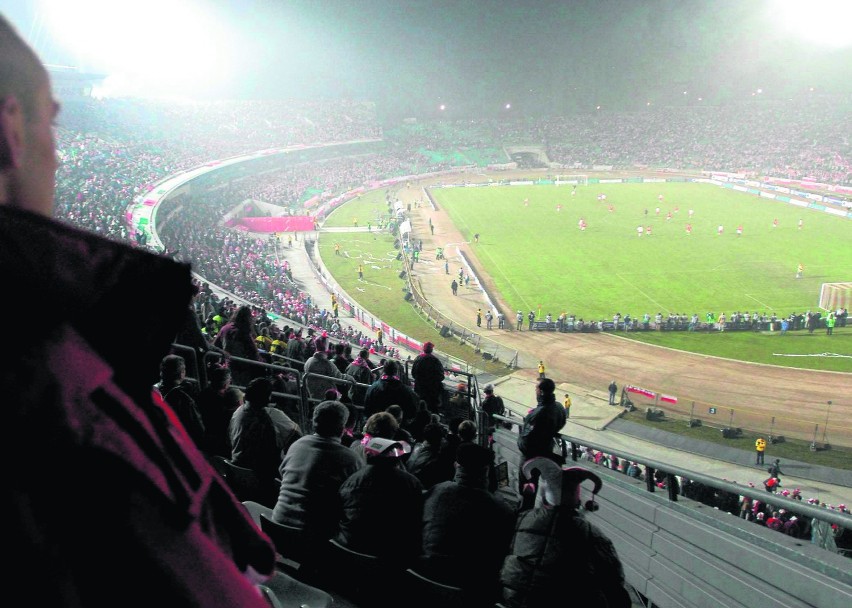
point(470, 54)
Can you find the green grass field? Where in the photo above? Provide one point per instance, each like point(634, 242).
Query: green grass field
point(364, 209)
point(381, 291)
point(607, 268)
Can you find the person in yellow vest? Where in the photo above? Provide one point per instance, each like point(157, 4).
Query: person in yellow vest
point(360, 271)
point(263, 340)
point(278, 345)
point(541, 369)
point(567, 404)
point(800, 270)
point(760, 449)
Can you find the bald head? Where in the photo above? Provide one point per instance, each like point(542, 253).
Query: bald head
point(21, 72)
point(27, 110)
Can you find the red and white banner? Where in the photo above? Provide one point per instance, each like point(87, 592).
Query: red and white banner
point(642, 391)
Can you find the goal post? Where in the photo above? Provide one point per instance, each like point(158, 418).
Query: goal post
point(576, 180)
point(834, 296)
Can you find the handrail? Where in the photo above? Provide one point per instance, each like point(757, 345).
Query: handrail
point(834, 517)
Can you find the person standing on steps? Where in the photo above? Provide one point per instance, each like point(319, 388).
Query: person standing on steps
point(455, 287)
point(613, 389)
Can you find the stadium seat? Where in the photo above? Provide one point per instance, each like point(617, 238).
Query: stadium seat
point(354, 575)
point(425, 592)
point(284, 591)
point(300, 555)
point(245, 483)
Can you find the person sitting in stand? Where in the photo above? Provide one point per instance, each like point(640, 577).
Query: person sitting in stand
point(459, 405)
point(216, 412)
point(174, 391)
point(311, 474)
point(389, 390)
point(261, 435)
point(382, 505)
point(555, 545)
point(429, 462)
point(466, 529)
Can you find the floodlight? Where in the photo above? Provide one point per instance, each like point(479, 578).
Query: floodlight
point(821, 22)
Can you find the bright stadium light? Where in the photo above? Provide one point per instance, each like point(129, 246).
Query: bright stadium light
point(508, 106)
point(821, 22)
point(146, 49)
point(442, 107)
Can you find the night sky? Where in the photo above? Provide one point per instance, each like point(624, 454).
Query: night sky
point(475, 56)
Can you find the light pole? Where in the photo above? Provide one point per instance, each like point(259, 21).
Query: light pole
point(825, 426)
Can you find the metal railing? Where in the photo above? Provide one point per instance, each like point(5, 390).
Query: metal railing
point(576, 448)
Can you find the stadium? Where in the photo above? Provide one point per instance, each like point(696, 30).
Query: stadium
point(693, 251)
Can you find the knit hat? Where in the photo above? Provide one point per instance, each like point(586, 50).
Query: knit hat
point(561, 486)
point(428, 347)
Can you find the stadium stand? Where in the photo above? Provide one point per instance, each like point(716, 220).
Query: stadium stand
point(675, 550)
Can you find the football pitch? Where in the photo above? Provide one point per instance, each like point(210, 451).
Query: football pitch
point(532, 247)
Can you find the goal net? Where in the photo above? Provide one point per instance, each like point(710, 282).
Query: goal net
point(834, 296)
point(577, 180)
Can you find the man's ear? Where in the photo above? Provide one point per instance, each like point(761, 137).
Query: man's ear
point(11, 132)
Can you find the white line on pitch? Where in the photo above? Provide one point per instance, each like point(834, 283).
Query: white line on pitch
point(659, 306)
point(748, 295)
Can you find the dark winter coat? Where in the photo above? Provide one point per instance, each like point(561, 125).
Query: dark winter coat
point(85, 399)
point(554, 549)
point(382, 511)
point(389, 391)
point(540, 427)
